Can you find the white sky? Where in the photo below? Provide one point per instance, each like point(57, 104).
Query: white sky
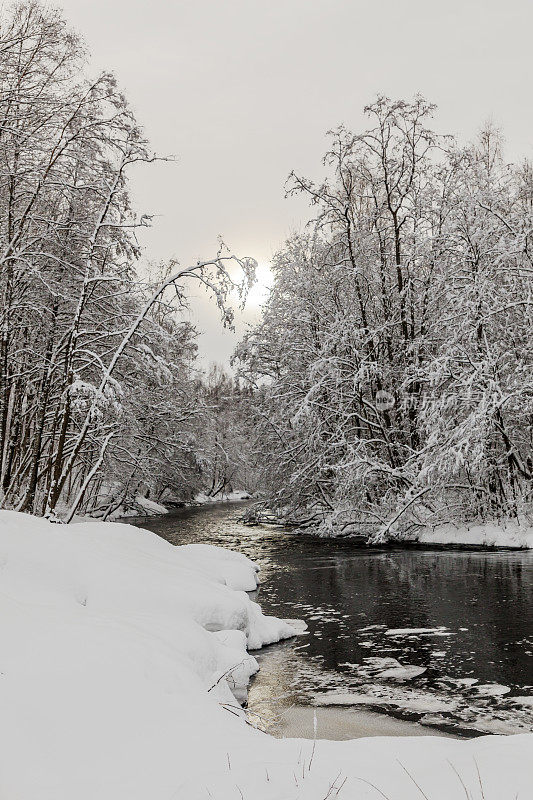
point(243, 91)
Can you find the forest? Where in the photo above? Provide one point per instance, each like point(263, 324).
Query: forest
point(388, 385)
point(100, 396)
point(405, 396)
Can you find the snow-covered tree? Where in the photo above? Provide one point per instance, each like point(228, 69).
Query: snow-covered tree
point(393, 363)
point(97, 381)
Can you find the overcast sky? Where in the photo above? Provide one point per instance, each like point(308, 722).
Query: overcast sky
point(243, 91)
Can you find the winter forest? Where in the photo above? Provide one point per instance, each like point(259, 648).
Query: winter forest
point(405, 398)
point(100, 396)
point(406, 394)
point(368, 446)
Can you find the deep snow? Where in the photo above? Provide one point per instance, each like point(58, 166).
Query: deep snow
point(508, 534)
point(117, 652)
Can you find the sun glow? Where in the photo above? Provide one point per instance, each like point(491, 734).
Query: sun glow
point(261, 288)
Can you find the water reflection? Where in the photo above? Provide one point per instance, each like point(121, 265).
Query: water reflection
point(351, 598)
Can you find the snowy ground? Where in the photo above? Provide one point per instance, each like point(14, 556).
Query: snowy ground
point(489, 534)
point(117, 654)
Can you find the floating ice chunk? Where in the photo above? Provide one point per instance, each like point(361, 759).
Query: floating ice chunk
point(402, 673)
point(425, 703)
point(463, 681)
point(440, 631)
point(380, 663)
point(525, 702)
point(418, 702)
point(492, 690)
point(371, 628)
point(347, 699)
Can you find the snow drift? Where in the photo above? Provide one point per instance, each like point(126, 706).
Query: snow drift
point(117, 655)
point(509, 534)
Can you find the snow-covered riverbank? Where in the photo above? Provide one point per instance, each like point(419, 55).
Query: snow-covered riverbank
point(511, 535)
point(504, 535)
point(117, 652)
point(145, 506)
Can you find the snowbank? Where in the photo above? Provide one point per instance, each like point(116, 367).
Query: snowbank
point(203, 498)
point(117, 654)
point(143, 506)
point(489, 534)
point(150, 505)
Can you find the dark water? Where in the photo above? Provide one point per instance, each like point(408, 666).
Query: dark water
point(479, 602)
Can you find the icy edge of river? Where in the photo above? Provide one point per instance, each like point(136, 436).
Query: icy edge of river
point(507, 534)
point(143, 506)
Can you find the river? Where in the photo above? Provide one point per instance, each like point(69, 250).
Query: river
point(399, 641)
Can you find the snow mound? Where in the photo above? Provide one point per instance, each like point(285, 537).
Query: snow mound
point(238, 571)
point(121, 658)
point(489, 534)
point(106, 633)
point(150, 505)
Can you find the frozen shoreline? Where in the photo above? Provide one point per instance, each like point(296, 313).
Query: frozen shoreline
point(118, 652)
point(505, 534)
point(150, 508)
point(482, 536)
point(511, 535)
